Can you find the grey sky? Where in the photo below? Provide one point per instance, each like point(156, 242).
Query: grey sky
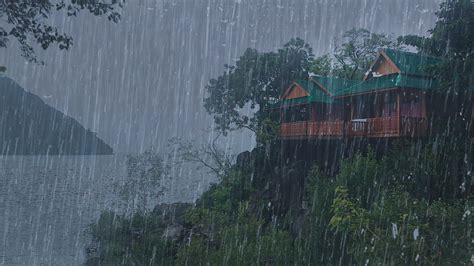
point(140, 82)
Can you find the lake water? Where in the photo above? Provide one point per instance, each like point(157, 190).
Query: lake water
point(46, 203)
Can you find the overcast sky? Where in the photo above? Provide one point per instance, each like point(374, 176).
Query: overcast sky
point(140, 82)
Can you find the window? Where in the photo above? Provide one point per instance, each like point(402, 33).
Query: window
point(389, 107)
point(411, 105)
point(297, 113)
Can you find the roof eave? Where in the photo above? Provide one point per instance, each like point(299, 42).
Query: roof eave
point(366, 92)
point(323, 88)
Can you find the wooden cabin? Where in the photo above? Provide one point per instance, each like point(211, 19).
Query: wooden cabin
point(389, 102)
point(309, 108)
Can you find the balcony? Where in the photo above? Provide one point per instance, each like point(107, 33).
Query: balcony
point(299, 130)
point(377, 127)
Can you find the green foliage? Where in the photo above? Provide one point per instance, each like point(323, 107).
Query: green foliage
point(322, 65)
point(452, 39)
point(336, 205)
point(453, 33)
point(405, 208)
point(409, 207)
point(246, 241)
point(227, 228)
point(136, 240)
point(426, 170)
point(269, 131)
point(354, 56)
point(379, 211)
point(400, 229)
point(255, 82)
point(367, 213)
point(318, 244)
point(139, 236)
point(346, 214)
point(401, 224)
point(234, 188)
point(363, 175)
point(29, 20)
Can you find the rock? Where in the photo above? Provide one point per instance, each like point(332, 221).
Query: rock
point(172, 216)
point(243, 159)
point(173, 232)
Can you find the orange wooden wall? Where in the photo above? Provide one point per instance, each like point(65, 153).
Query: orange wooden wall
point(385, 67)
point(297, 92)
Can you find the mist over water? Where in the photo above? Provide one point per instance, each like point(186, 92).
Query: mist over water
point(47, 203)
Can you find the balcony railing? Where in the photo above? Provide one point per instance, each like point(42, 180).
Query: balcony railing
point(294, 129)
point(330, 128)
point(312, 129)
point(357, 127)
point(413, 126)
point(383, 127)
point(376, 127)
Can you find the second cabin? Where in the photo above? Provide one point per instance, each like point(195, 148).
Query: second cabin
point(391, 101)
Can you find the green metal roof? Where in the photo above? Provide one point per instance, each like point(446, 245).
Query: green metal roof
point(414, 74)
point(390, 81)
point(316, 94)
point(333, 84)
point(412, 63)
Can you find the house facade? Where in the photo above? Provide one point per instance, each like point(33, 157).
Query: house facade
point(391, 101)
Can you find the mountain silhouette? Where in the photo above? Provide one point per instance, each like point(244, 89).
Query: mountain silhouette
point(28, 126)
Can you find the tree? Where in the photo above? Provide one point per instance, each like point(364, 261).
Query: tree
point(27, 21)
point(210, 156)
point(453, 33)
point(322, 65)
point(255, 83)
point(357, 52)
point(452, 40)
point(143, 182)
point(401, 229)
point(138, 239)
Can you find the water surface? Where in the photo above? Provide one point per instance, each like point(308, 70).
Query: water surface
point(46, 203)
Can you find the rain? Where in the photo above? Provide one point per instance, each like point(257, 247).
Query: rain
point(236, 132)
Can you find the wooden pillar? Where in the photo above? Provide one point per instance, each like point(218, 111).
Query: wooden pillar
point(398, 112)
point(282, 114)
point(314, 112)
point(353, 103)
point(423, 104)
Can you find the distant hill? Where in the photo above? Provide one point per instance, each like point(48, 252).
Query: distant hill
point(28, 126)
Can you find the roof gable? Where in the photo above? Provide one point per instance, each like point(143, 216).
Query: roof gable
point(305, 91)
point(317, 89)
point(296, 91)
point(382, 66)
point(411, 63)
